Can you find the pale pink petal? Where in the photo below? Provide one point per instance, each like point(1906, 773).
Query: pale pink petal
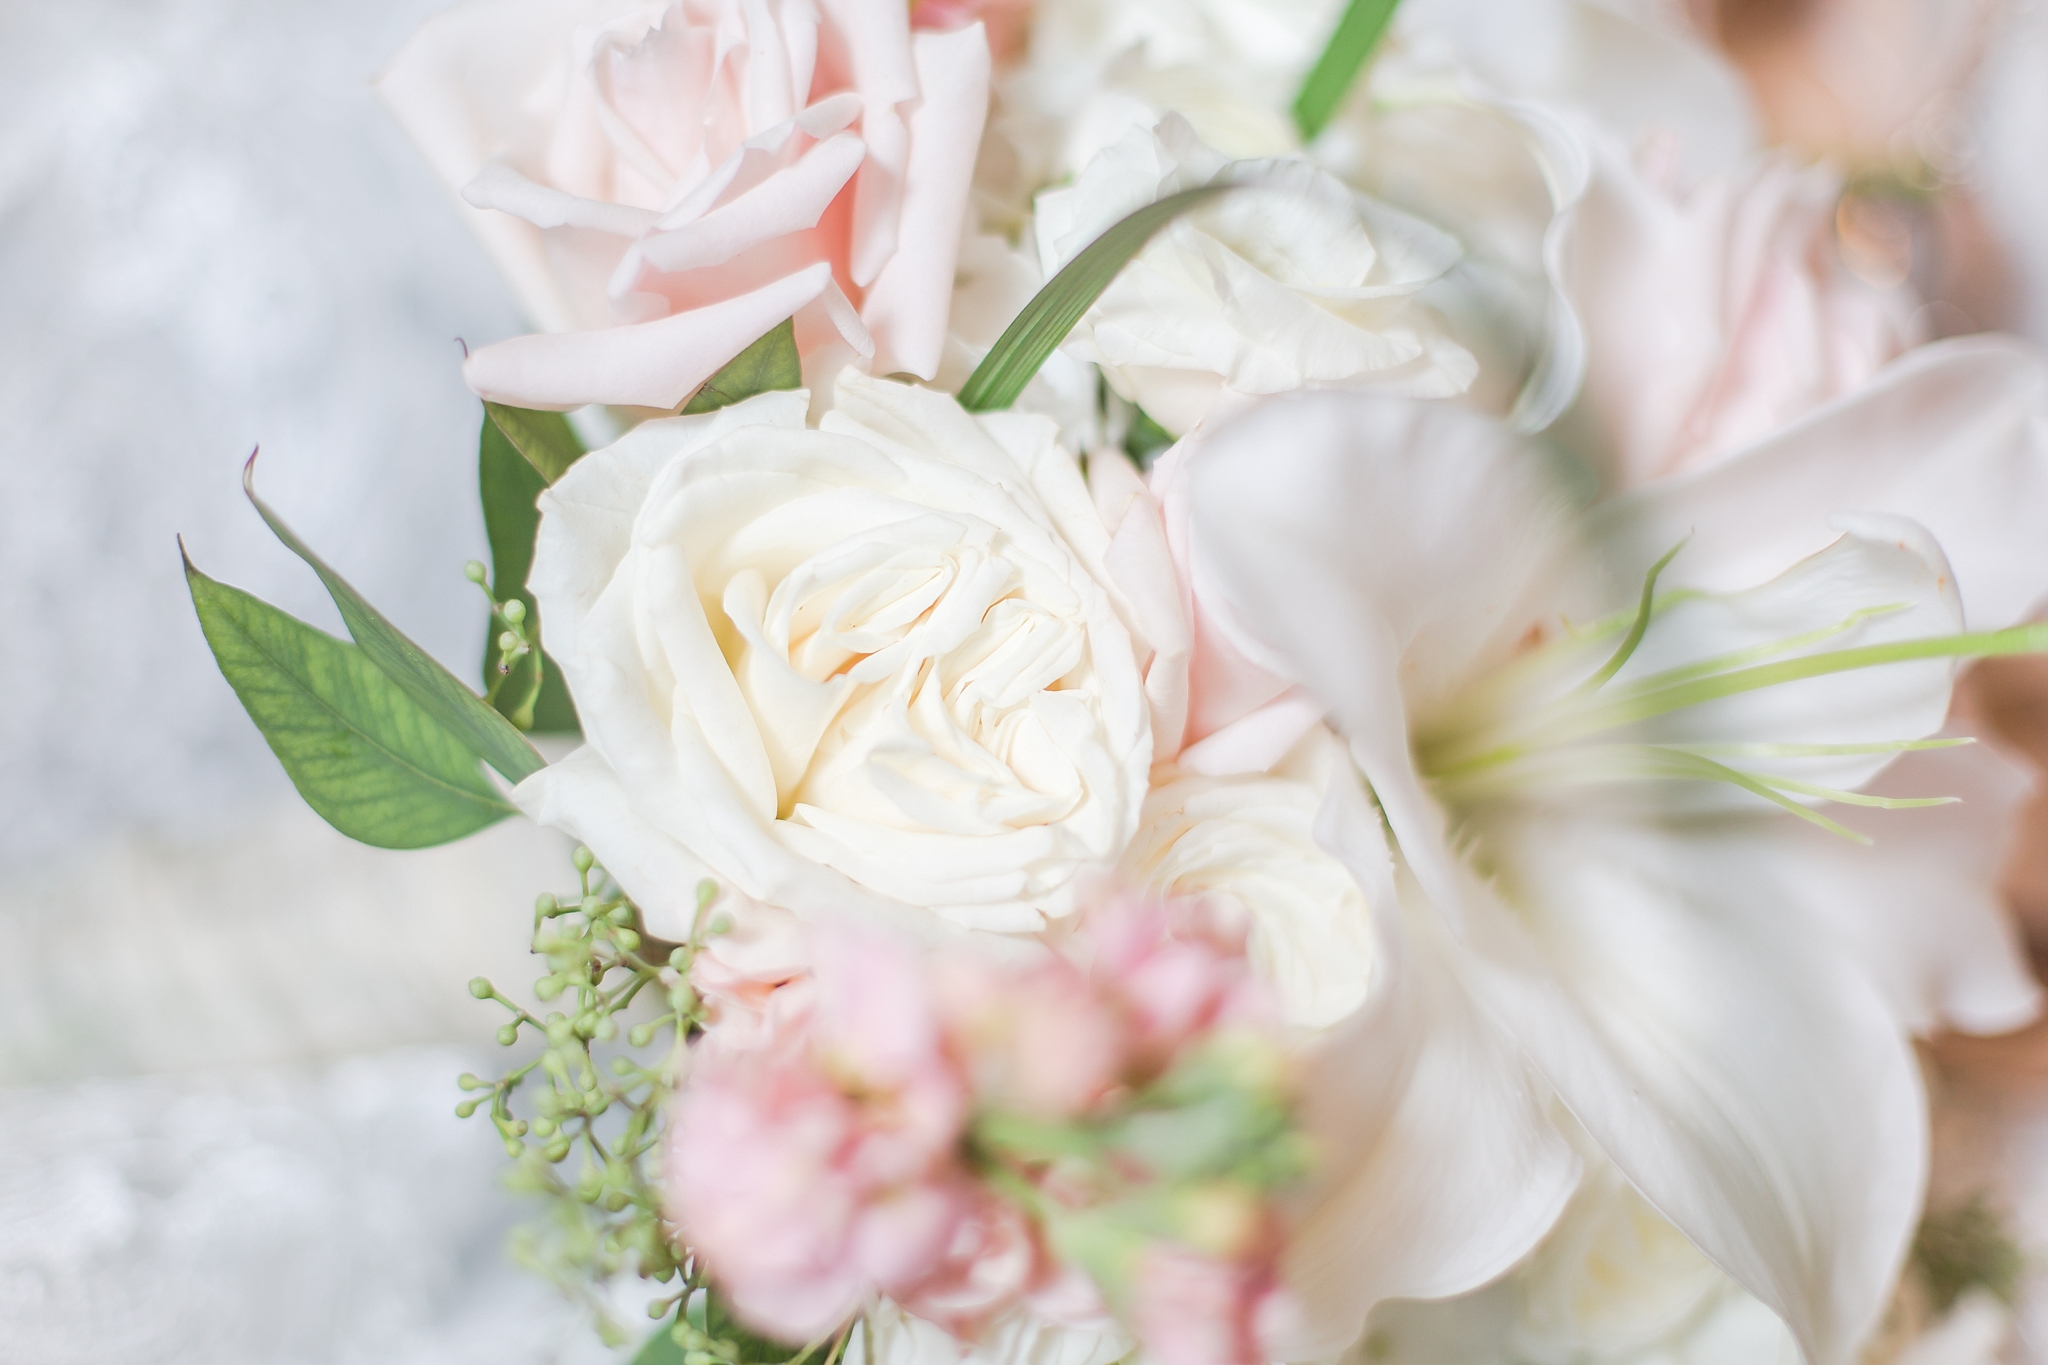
point(790, 201)
point(908, 302)
point(648, 364)
point(498, 186)
point(1953, 435)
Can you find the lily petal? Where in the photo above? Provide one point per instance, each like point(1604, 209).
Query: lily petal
point(1445, 1169)
point(1954, 435)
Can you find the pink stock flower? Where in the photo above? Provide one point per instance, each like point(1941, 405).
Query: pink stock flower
point(663, 184)
point(1193, 1309)
point(1177, 970)
point(818, 1153)
point(1038, 1039)
point(818, 1165)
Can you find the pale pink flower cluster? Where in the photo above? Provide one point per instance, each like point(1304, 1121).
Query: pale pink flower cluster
point(825, 1150)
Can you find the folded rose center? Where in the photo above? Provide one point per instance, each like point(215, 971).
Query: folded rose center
point(909, 672)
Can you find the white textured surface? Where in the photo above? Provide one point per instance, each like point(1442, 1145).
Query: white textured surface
point(210, 236)
point(271, 1218)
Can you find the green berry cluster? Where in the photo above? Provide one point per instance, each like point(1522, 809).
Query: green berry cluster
point(611, 1052)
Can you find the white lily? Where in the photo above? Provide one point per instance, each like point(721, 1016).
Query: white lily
point(1579, 758)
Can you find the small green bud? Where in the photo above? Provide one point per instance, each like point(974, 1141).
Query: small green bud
point(508, 1035)
point(721, 925)
point(475, 572)
point(615, 1201)
point(480, 987)
point(560, 1030)
point(707, 892)
point(517, 1128)
point(626, 939)
point(598, 1103)
point(544, 905)
point(622, 913)
point(592, 906)
point(514, 611)
point(514, 1148)
point(640, 1036)
point(583, 858)
point(507, 642)
point(606, 1029)
point(543, 1127)
point(469, 1080)
point(557, 1148)
point(622, 1066)
point(466, 1108)
point(679, 958)
point(658, 1309)
point(548, 987)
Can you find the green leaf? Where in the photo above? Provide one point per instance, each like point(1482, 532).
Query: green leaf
point(769, 364)
point(532, 696)
point(374, 764)
point(460, 711)
point(1038, 331)
point(1329, 80)
point(546, 439)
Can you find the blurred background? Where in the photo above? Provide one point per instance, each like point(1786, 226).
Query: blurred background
point(228, 1036)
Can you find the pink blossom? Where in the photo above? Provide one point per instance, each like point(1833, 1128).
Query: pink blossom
point(1192, 1309)
point(1178, 970)
point(820, 1163)
point(1039, 1038)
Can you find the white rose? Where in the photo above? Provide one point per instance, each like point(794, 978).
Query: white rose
point(1297, 283)
point(853, 668)
point(1250, 844)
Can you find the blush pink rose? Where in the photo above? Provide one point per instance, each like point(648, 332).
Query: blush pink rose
point(1192, 1309)
point(1715, 316)
point(1218, 706)
point(1008, 21)
point(819, 1164)
point(665, 183)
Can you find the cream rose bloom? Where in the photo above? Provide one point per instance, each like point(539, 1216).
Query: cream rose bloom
point(665, 182)
point(1297, 283)
point(856, 668)
point(1249, 844)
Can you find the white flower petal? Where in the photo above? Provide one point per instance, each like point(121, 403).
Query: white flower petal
point(1953, 435)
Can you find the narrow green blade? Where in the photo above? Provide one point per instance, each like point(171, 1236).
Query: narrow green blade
point(374, 764)
point(532, 696)
point(1329, 80)
point(437, 691)
point(1038, 331)
point(769, 364)
point(546, 439)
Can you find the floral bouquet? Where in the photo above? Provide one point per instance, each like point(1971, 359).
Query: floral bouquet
point(1240, 681)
